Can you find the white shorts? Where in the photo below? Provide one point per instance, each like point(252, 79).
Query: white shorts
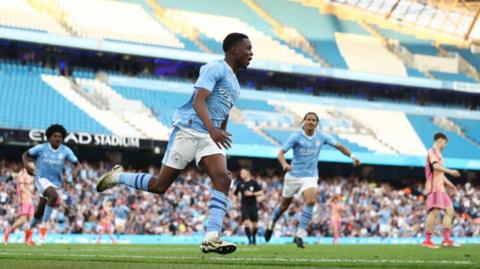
point(185, 144)
point(120, 222)
point(294, 185)
point(385, 228)
point(42, 184)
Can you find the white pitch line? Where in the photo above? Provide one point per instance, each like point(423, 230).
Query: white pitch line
point(40, 249)
point(252, 259)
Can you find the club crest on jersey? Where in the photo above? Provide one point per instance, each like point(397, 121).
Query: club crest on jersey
point(177, 157)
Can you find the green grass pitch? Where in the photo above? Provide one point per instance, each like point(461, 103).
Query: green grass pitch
point(262, 256)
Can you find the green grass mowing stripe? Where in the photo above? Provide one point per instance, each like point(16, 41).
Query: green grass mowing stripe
point(366, 256)
point(243, 259)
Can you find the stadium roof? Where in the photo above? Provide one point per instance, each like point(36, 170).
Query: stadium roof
point(457, 18)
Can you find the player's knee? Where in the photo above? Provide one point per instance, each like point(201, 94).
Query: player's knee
point(38, 214)
point(450, 212)
point(284, 206)
point(222, 180)
point(310, 202)
point(53, 200)
point(155, 186)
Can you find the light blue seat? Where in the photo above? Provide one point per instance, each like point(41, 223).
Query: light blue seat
point(27, 102)
point(457, 146)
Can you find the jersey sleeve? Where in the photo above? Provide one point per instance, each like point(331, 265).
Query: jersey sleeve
point(71, 156)
point(257, 187)
point(292, 139)
point(209, 75)
point(329, 139)
point(237, 189)
point(35, 151)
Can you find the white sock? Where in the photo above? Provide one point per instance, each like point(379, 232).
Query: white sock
point(301, 233)
point(271, 225)
point(210, 235)
point(116, 177)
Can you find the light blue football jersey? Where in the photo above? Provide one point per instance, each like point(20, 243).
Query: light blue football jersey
point(219, 78)
point(50, 163)
point(305, 151)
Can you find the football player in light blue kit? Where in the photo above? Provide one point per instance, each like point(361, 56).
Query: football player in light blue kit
point(199, 132)
point(302, 173)
point(47, 163)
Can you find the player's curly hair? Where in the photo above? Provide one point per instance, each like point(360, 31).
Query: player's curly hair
point(56, 128)
point(232, 39)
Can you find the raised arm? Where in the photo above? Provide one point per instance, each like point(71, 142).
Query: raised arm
point(348, 153)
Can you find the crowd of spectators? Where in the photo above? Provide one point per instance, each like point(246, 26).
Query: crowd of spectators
point(371, 208)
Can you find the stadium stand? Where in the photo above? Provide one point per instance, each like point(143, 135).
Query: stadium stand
point(308, 20)
point(76, 96)
point(470, 127)
point(251, 104)
point(266, 48)
point(341, 43)
point(457, 145)
point(147, 112)
point(473, 59)
point(410, 42)
point(186, 25)
point(412, 72)
point(452, 76)
point(90, 22)
point(20, 14)
point(368, 54)
point(26, 101)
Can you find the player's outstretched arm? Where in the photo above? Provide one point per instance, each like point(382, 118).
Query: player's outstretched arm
point(450, 185)
point(441, 168)
point(219, 136)
point(29, 163)
point(348, 153)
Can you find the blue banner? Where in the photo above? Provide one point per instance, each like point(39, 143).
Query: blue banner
point(197, 239)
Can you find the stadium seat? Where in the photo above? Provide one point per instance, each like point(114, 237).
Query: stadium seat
point(391, 127)
point(412, 72)
point(308, 21)
point(368, 54)
point(410, 42)
point(264, 47)
point(90, 22)
point(457, 146)
point(471, 128)
point(452, 76)
point(252, 104)
point(28, 102)
point(20, 14)
point(472, 58)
